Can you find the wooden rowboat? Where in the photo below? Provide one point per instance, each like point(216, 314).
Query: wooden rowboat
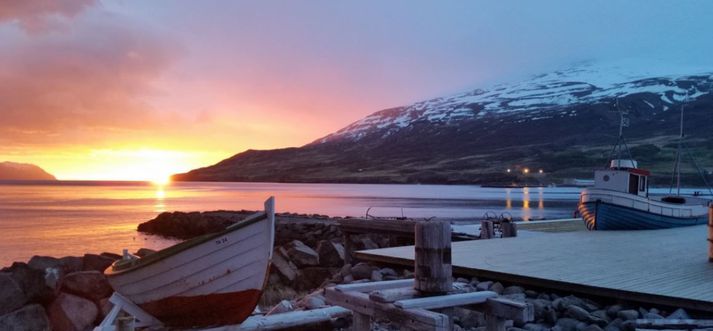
point(215, 279)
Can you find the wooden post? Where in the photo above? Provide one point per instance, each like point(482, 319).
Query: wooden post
point(509, 229)
point(360, 322)
point(433, 269)
point(486, 230)
point(710, 233)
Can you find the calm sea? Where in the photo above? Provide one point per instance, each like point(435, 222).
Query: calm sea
point(76, 217)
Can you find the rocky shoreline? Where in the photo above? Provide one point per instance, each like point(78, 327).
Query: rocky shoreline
point(309, 256)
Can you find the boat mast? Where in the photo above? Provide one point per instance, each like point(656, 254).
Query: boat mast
point(616, 151)
point(677, 163)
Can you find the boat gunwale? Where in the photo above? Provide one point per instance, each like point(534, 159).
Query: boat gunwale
point(183, 246)
point(642, 211)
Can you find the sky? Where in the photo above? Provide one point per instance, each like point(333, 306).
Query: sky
point(137, 90)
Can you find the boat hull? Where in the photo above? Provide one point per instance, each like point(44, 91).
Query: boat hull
point(215, 279)
point(599, 215)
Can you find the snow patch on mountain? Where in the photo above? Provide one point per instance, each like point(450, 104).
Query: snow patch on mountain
point(586, 83)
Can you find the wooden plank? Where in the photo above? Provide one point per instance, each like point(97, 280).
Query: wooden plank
point(486, 230)
point(287, 320)
point(394, 294)
point(373, 286)
point(665, 267)
point(361, 322)
point(443, 301)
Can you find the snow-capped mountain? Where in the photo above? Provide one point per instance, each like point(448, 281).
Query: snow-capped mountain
point(545, 95)
point(562, 122)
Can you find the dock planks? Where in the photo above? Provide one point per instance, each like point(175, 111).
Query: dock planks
point(665, 267)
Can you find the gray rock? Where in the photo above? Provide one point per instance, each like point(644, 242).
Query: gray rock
point(345, 270)
point(513, 290)
point(579, 313)
point(362, 271)
point(653, 316)
point(484, 286)
point(301, 255)
point(389, 272)
point(313, 301)
point(29, 318)
point(367, 243)
point(96, 262)
point(283, 307)
point(32, 282)
point(70, 312)
point(286, 269)
point(519, 297)
point(11, 294)
point(71, 264)
point(567, 324)
point(601, 314)
point(679, 313)
point(550, 315)
point(535, 327)
point(468, 318)
point(312, 277)
point(376, 275)
point(91, 285)
point(497, 288)
point(43, 262)
point(592, 327)
point(331, 254)
point(613, 310)
point(348, 279)
point(531, 294)
point(628, 314)
point(539, 305)
point(629, 325)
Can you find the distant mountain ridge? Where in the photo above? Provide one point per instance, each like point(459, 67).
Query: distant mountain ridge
point(23, 171)
point(562, 122)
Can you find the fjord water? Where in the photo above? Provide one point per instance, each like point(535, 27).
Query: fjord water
point(76, 217)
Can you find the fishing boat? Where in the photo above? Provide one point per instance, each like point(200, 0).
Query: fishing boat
point(620, 198)
point(215, 279)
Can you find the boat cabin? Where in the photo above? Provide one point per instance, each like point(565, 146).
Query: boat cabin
point(623, 176)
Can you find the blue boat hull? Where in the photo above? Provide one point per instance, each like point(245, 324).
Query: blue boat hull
point(599, 215)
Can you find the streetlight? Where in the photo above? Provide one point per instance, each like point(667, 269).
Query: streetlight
point(526, 171)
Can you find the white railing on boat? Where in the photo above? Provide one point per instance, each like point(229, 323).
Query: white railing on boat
point(642, 203)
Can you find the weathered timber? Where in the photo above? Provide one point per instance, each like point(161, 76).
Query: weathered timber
point(486, 230)
point(432, 266)
point(444, 301)
point(373, 286)
point(678, 324)
point(394, 294)
point(287, 320)
point(509, 229)
point(361, 322)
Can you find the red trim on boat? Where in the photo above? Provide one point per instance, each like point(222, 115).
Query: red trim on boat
point(640, 172)
point(204, 310)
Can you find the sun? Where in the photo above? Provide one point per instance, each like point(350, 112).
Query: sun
point(161, 180)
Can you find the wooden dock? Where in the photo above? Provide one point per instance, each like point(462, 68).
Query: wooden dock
point(663, 267)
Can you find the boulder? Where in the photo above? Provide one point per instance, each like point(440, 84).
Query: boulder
point(312, 301)
point(583, 315)
point(484, 286)
point(376, 275)
point(283, 307)
point(312, 277)
point(91, 285)
point(96, 262)
point(497, 288)
point(72, 313)
point(679, 313)
point(11, 294)
point(628, 314)
point(362, 271)
point(331, 254)
point(613, 310)
point(286, 269)
point(513, 290)
point(71, 264)
point(567, 324)
point(32, 283)
point(367, 243)
point(389, 272)
point(535, 327)
point(41, 263)
point(29, 318)
point(301, 254)
point(592, 327)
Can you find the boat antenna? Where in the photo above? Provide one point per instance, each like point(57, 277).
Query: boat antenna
point(621, 141)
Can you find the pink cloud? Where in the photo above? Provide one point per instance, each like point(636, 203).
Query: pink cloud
point(41, 15)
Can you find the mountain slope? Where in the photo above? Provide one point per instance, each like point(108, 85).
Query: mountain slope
point(563, 122)
point(23, 171)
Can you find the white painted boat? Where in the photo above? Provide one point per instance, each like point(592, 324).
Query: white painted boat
point(215, 279)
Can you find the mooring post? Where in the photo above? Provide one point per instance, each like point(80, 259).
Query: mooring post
point(710, 233)
point(509, 229)
point(433, 269)
point(486, 230)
